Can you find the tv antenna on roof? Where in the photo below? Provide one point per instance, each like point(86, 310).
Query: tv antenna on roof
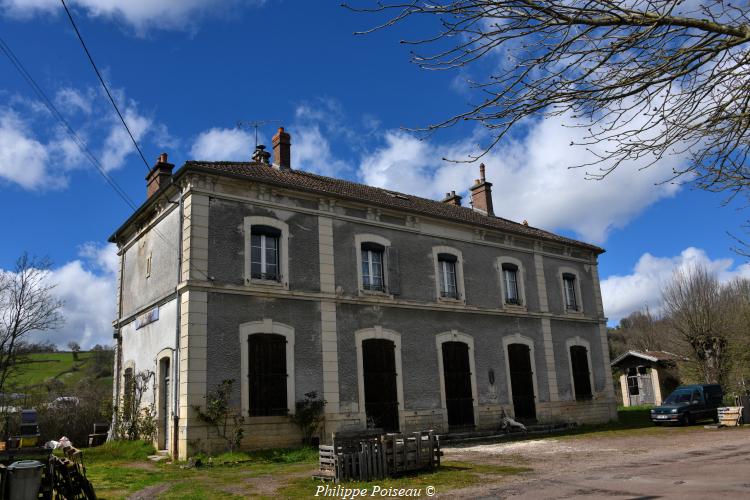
point(255, 124)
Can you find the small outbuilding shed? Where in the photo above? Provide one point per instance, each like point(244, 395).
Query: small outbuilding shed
point(646, 377)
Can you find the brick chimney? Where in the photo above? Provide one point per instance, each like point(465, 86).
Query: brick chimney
point(159, 176)
point(481, 194)
point(282, 154)
point(452, 199)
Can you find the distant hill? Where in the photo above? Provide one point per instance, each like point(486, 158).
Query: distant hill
point(36, 370)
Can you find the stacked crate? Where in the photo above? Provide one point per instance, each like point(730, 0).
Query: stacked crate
point(730, 416)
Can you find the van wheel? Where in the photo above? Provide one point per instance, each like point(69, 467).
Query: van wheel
point(689, 419)
point(716, 419)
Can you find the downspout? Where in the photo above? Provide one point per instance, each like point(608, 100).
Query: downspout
point(176, 363)
point(118, 357)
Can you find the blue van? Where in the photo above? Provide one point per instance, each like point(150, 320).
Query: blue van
point(690, 403)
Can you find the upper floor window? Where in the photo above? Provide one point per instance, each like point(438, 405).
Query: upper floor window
point(264, 253)
point(447, 275)
point(372, 267)
point(510, 278)
point(569, 289)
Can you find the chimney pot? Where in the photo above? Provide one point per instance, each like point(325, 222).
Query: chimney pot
point(481, 194)
point(452, 199)
point(282, 150)
point(159, 175)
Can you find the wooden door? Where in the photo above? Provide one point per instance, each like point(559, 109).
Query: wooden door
point(457, 375)
point(522, 382)
point(267, 376)
point(381, 396)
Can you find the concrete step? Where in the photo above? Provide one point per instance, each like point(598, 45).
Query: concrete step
point(533, 429)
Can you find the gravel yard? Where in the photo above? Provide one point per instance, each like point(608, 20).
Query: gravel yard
point(668, 462)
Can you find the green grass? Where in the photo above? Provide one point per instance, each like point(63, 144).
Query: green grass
point(37, 368)
point(449, 476)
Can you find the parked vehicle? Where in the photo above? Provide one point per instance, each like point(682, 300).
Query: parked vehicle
point(690, 403)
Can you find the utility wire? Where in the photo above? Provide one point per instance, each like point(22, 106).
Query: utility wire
point(66, 126)
point(5, 48)
point(104, 85)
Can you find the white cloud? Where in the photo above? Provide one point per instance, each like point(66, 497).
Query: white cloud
point(530, 176)
point(140, 14)
point(224, 144)
point(118, 145)
point(311, 151)
point(628, 293)
point(87, 288)
point(23, 159)
point(38, 154)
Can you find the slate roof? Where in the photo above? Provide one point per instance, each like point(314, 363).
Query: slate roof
point(306, 181)
point(653, 356)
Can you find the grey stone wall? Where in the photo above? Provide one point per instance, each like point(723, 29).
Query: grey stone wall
point(417, 267)
point(553, 282)
point(227, 244)
point(226, 312)
point(420, 356)
point(561, 332)
point(162, 244)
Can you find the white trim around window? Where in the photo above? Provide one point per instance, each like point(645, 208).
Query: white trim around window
point(520, 282)
point(578, 341)
point(378, 332)
point(266, 326)
point(456, 336)
point(519, 339)
point(283, 250)
point(561, 272)
point(385, 243)
point(459, 268)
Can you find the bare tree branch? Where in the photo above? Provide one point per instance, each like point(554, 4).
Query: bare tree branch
point(645, 79)
point(26, 306)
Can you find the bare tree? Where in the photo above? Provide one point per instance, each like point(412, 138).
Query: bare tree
point(736, 297)
point(696, 309)
point(643, 78)
point(26, 306)
point(75, 348)
point(642, 331)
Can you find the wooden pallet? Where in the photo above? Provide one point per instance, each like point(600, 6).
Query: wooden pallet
point(370, 457)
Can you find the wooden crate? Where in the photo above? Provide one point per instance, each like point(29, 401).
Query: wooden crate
point(730, 416)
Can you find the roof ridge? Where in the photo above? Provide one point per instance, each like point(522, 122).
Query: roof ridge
point(465, 214)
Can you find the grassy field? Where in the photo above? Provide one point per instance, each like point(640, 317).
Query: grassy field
point(117, 470)
point(36, 369)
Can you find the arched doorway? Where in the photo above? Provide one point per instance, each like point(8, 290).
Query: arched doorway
point(379, 373)
point(522, 382)
point(164, 399)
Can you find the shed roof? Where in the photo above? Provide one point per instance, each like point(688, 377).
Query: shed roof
point(653, 356)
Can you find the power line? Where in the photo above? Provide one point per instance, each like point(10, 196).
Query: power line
point(104, 85)
point(76, 138)
point(66, 126)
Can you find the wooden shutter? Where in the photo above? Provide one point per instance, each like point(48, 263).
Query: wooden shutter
point(394, 276)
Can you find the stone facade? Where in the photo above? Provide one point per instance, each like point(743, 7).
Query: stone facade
point(323, 313)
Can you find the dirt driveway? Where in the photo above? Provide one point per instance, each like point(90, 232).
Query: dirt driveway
point(647, 464)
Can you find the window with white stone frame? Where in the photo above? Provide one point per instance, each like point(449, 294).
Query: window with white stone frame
point(377, 265)
point(512, 276)
point(449, 275)
point(266, 251)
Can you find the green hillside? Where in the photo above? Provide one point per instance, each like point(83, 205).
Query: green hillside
point(35, 371)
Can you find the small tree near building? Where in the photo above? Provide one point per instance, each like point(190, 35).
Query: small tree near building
point(26, 306)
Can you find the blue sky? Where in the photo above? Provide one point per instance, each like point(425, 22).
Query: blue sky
point(185, 72)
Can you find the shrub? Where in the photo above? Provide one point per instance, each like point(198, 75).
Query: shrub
point(308, 415)
point(221, 416)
